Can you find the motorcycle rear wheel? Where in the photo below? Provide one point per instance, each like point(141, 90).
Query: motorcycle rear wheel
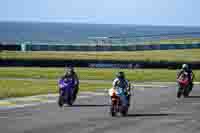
point(70, 103)
point(124, 111)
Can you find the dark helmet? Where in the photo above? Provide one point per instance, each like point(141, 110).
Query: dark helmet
point(120, 75)
point(69, 71)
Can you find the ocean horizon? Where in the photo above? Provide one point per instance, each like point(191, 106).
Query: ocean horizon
point(87, 33)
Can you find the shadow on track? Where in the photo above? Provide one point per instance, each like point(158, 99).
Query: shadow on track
point(90, 105)
point(153, 115)
point(193, 97)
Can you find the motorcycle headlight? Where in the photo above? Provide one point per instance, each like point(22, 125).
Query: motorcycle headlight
point(61, 86)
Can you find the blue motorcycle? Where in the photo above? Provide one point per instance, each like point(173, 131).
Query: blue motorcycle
point(66, 90)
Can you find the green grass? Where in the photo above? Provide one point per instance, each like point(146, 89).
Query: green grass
point(163, 75)
point(175, 41)
point(25, 87)
point(189, 55)
point(20, 88)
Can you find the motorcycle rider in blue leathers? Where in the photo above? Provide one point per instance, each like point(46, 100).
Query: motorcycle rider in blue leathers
point(70, 73)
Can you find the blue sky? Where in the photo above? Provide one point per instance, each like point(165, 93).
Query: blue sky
point(148, 12)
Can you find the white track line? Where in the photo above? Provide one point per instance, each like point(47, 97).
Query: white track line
point(42, 101)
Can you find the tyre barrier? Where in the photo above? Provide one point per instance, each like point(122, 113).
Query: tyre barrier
point(96, 63)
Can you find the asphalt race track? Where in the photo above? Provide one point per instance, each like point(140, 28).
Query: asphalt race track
point(153, 110)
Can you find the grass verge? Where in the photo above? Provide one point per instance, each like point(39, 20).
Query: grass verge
point(20, 88)
point(25, 87)
point(189, 55)
point(158, 75)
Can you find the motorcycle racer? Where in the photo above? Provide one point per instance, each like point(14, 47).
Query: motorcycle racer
point(122, 82)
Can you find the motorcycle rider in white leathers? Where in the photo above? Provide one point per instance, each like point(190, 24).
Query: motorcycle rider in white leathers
point(122, 82)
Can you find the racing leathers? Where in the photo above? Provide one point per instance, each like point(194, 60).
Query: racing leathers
point(190, 77)
point(125, 84)
point(76, 83)
point(76, 88)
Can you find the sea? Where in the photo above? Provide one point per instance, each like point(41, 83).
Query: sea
point(49, 32)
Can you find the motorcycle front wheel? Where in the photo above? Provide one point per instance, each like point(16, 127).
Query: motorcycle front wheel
point(69, 100)
point(60, 101)
point(113, 110)
point(113, 107)
point(186, 93)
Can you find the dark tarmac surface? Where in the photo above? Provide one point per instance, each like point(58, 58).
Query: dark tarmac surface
point(153, 110)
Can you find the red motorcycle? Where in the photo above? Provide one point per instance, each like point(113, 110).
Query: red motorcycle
point(183, 83)
point(119, 102)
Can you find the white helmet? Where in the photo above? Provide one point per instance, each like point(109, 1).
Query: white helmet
point(185, 66)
